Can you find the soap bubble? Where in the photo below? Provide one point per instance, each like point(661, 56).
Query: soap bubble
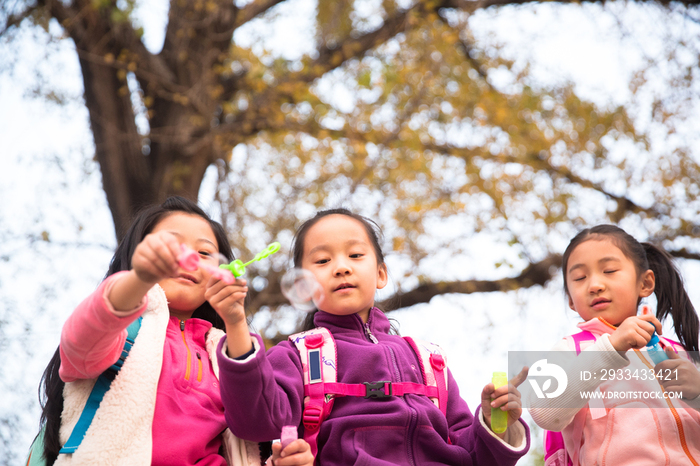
point(300, 287)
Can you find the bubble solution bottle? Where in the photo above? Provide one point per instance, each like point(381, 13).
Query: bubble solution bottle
point(655, 351)
point(499, 418)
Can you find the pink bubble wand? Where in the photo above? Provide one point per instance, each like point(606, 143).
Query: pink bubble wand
point(190, 260)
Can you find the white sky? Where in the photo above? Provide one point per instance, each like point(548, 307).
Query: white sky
point(49, 184)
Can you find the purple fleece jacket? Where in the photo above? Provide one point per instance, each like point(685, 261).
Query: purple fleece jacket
point(265, 392)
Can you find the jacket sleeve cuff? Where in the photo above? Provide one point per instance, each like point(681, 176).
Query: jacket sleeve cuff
point(109, 284)
point(223, 350)
point(616, 358)
point(516, 436)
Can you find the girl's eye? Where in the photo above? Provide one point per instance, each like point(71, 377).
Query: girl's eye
point(610, 271)
point(204, 253)
point(356, 256)
point(322, 261)
point(578, 279)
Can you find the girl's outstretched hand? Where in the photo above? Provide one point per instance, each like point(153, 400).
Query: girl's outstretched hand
point(297, 453)
point(155, 257)
point(506, 398)
point(635, 332)
point(683, 378)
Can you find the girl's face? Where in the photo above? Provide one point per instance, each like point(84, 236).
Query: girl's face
point(338, 251)
point(603, 282)
point(185, 293)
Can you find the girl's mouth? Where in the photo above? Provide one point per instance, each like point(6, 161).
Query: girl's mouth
point(600, 303)
point(343, 286)
point(188, 277)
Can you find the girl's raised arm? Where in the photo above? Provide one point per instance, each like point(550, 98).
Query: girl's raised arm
point(154, 258)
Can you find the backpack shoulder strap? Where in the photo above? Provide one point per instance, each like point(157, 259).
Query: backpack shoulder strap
point(319, 362)
point(98, 391)
point(555, 450)
point(677, 347)
point(555, 453)
point(579, 338)
point(432, 365)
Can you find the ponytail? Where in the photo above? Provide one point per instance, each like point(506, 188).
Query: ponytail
point(672, 299)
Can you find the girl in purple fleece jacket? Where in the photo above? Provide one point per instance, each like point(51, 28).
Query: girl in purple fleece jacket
point(342, 251)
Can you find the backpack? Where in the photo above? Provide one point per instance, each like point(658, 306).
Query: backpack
point(318, 354)
point(555, 453)
point(104, 380)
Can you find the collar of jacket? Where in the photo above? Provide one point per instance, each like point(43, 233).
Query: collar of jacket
point(597, 326)
point(377, 322)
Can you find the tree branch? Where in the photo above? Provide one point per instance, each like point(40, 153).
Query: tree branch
point(684, 254)
point(331, 58)
point(535, 274)
point(253, 10)
point(16, 19)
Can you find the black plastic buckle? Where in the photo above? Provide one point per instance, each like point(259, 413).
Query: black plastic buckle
point(376, 389)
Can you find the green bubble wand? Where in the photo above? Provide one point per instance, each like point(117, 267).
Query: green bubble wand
point(237, 267)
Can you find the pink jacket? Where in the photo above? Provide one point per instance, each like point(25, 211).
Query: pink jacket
point(188, 418)
point(634, 431)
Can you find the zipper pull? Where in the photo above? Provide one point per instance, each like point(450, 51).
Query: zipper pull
point(182, 325)
point(371, 337)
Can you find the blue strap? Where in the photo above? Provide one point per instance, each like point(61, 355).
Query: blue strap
point(98, 392)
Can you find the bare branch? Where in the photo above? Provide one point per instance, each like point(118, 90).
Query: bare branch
point(16, 19)
point(253, 10)
point(535, 274)
point(684, 254)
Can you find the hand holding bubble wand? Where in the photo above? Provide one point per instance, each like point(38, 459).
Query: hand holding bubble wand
point(289, 434)
point(654, 348)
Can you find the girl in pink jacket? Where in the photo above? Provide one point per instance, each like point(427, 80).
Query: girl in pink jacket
point(641, 413)
point(164, 407)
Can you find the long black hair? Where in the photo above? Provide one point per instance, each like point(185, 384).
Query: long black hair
point(51, 386)
point(671, 296)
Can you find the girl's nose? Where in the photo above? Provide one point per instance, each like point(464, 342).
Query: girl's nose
point(596, 285)
point(341, 268)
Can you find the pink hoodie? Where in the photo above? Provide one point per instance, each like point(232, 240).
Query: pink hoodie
point(189, 416)
point(626, 431)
